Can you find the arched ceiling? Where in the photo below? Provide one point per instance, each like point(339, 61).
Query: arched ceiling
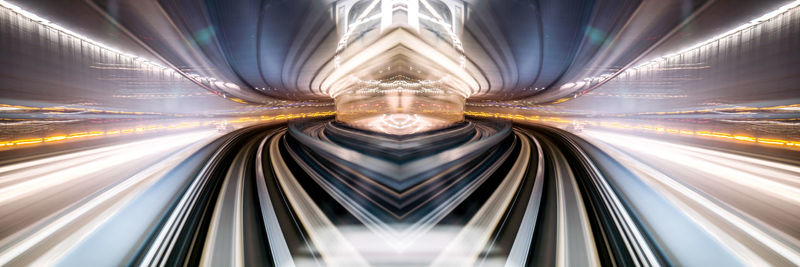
point(314, 49)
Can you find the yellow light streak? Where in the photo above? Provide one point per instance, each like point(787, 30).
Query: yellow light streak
point(149, 128)
point(27, 141)
point(562, 100)
point(648, 128)
point(55, 138)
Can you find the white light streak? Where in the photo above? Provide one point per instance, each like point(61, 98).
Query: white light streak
point(125, 55)
point(658, 60)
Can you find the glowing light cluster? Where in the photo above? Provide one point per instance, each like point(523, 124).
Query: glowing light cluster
point(376, 90)
point(401, 86)
point(400, 123)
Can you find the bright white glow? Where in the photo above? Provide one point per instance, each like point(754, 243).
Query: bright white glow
point(413, 14)
point(400, 123)
point(232, 86)
point(386, 14)
point(400, 86)
point(331, 83)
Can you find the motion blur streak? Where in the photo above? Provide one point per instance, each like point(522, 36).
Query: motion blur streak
point(400, 133)
point(96, 177)
point(724, 184)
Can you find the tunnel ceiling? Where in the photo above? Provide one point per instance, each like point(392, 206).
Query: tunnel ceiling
point(308, 49)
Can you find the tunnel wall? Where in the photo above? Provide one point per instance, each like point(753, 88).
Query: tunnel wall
point(755, 64)
point(38, 56)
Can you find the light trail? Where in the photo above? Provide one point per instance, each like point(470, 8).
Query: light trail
point(689, 159)
point(718, 181)
point(155, 128)
point(648, 128)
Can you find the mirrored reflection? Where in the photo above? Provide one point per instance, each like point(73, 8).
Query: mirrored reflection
point(400, 106)
point(399, 133)
point(399, 124)
point(407, 81)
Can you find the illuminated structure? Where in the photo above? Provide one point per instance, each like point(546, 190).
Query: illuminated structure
point(399, 133)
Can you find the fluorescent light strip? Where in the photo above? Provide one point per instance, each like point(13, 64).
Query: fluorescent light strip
point(752, 23)
point(755, 22)
point(141, 60)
